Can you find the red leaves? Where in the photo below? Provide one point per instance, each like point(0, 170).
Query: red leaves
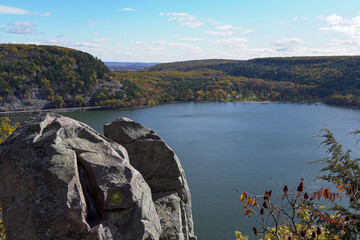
point(306, 195)
point(301, 187)
point(255, 231)
point(325, 193)
point(318, 231)
point(262, 211)
point(304, 207)
point(285, 189)
point(303, 233)
point(267, 195)
point(313, 235)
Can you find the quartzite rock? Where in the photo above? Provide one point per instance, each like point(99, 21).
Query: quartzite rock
point(162, 170)
point(60, 179)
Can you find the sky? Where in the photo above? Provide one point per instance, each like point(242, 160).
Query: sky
point(178, 30)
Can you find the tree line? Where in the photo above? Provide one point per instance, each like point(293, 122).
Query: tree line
point(70, 78)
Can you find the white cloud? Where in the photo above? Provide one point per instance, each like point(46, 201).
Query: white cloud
point(228, 27)
point(183, 46)
point(288, 46)
point(138, 43)
point(228, 33)
point(296, 18)
point(127, 9)
point(21, 28)
point(213, 22)
point(194, 24)
point(232, 42)
point(191, 39)
point(66, 43)
point(96, 33)
point(287, 42)
point(181, 17)
point(247, 31)
point(100, 40)
point(12, 10)
point(349, 27)
point(333, 19)
point(18, 11)
point(185, 19)
point(93, 23)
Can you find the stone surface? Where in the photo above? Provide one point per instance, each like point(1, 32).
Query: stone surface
point(60, 179)
point(162, 170)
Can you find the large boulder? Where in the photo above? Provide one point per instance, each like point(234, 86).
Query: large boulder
point(60, 179)
point(162, 170)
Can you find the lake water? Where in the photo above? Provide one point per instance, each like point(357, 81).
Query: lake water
point(227, 146)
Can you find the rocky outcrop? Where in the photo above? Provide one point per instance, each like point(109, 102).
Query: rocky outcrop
point(60, 179)
point(162, 170)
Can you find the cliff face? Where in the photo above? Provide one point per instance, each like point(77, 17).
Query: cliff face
point(162, 171)
point(60, 179)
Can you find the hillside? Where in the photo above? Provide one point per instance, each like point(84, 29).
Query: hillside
point(33, 77)
point(40, 77)
point(335, 80)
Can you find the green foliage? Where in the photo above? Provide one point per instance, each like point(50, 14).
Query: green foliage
point(343, 171)
point(54, 71)
point(82, 80)
point(59, 101)
point(146, 88)
point(334, 80)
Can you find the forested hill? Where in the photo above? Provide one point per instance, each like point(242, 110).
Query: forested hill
point(334, 80)
point(339, 73)
point(49, 76)
point(38, 77)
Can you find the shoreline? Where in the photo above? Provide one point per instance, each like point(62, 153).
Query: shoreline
point(60, 110)
point(95, 108)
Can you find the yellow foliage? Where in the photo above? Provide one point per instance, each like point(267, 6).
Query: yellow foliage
point(6, 128)
point(285, 230)
point(239, 236)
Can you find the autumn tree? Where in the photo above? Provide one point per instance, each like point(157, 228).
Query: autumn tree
point(298, 214)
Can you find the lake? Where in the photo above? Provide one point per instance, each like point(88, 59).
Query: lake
point(248, 146)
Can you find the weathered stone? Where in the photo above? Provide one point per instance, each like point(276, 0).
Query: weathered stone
point(60, 179)
point(162, 170)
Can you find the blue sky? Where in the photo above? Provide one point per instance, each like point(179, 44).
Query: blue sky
point(176, 30)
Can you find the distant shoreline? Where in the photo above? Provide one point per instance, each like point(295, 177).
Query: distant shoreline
point(94, 108)
point(60, 110)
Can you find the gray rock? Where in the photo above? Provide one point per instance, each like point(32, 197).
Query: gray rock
point(60, 179)
point(162, 170)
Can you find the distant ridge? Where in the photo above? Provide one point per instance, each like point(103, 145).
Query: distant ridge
point(128, 66)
